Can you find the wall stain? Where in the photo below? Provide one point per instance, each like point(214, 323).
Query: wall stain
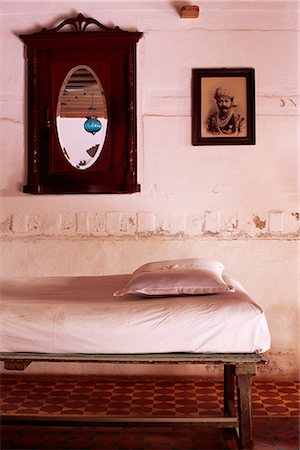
point(293, 102)
point(131, 221)
point(261, 224)
point(6, 225)
point(235, 224)
point(296, 215)
point(283, 102)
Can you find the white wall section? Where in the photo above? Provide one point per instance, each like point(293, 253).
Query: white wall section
point(238, 204)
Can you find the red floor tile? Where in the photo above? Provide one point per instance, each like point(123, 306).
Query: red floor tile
point(275, 411)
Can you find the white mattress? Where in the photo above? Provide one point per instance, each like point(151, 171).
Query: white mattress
point(80, 315)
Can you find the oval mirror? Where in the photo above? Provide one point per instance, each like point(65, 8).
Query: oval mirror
point(81, 117)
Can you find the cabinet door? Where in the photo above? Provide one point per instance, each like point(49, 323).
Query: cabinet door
point(81, 110)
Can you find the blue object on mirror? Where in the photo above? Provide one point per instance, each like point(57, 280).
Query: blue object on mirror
point(92, 125)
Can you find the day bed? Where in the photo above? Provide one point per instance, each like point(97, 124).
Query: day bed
point(109, 319)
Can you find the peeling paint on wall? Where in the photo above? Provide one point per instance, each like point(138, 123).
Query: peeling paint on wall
point(261, 224)
point(212, 224)
point(6, 224)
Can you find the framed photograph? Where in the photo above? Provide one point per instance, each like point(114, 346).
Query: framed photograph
point(223, 107)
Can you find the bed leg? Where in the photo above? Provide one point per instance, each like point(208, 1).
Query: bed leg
point(244, 373)
point(229, 373)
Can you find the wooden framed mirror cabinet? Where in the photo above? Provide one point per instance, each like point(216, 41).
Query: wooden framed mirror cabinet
point(81, 103)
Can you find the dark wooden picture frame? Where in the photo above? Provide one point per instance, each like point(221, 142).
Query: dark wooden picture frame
point(110, 53)
point(223, 106)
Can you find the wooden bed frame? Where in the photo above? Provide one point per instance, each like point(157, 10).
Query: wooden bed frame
point(238, 372)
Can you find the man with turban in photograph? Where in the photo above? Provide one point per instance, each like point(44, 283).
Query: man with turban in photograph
point(225, 121)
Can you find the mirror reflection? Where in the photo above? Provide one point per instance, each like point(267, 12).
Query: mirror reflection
point(81, 117)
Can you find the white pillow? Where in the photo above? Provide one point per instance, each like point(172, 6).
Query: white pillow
point(191, 276)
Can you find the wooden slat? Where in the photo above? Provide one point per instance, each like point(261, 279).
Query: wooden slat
point(63, 419)
point(13, 361)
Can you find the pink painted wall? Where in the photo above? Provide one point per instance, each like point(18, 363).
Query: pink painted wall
point(234, 203)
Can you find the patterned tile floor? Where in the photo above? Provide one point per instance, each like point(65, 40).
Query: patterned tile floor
point(275, 411)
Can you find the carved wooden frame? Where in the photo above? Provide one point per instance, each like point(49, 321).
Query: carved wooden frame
point(116, 49)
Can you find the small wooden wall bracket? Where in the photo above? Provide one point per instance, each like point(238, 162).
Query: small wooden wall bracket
point(190, 12)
